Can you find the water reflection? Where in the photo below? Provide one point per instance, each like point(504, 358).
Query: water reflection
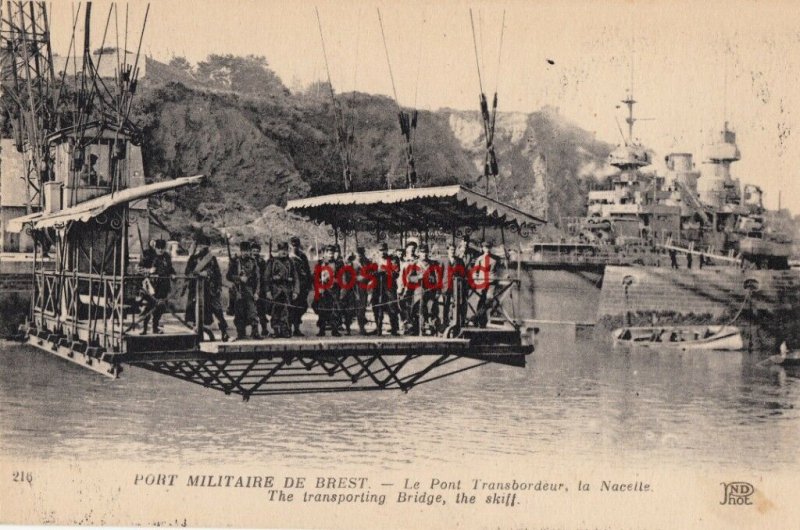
point(576, 399)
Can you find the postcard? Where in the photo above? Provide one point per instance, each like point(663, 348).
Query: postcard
point(400, 265)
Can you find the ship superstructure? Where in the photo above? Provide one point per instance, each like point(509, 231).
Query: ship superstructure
point(711, 213)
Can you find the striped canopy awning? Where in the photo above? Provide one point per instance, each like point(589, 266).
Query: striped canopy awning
point(442, 208)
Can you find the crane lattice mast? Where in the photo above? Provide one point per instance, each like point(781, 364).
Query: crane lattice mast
point(27, 79)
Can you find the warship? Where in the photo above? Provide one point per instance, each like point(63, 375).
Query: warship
point(712, 215)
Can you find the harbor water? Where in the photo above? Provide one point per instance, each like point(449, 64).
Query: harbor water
point(577, 398)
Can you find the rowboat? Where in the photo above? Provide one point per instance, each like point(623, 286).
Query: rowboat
point(682, 337)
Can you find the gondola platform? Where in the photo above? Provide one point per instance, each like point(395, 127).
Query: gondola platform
point(307, 364)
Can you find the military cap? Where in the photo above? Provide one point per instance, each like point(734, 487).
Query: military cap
point(283, 245)
point(202, 239)
point(255, 245)
point(160, 243)
point(295, 241)
point(360, 250)
point(383, 247)
point(244, 245)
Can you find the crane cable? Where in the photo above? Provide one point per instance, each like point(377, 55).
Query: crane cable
point(407, 123)
point(500, 51)
point(388, 62)
point(355, 84)
point(338, 120)
point(416, 81)
point(475, 45)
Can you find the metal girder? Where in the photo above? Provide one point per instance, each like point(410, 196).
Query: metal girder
point(351, 373)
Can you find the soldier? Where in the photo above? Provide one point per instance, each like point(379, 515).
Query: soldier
point(348, 294)
point(300, 303)
point(465, 251)
point(408, 276)
point(454, 287)
point(281, 284)
point(243, 272)
point(673, 258)
point(146, 260)
point(326, 304)
point(485, 273)
point(384, 296)
point(162, 272)
point(425, 310)
point(345, 303)
point(145, 297)
point(360, 262)
point(262, 306)
point(203, 264)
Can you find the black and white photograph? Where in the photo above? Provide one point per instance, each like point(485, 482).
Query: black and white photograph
point(367, 264)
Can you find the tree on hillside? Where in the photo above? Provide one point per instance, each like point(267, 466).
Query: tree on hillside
point(248, 75)
point(181, 64)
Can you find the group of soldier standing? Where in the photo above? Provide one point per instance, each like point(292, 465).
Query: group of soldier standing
point(410, 289)
point(268, 297)
point(269, 292)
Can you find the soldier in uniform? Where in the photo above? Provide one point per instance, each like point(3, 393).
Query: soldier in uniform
point(327, 303)
point(485, 275)
point(361, 295)
point(262, 306)
point(384, 296)
point(300, 303)
point(425, 310)
point(203, 264)
point(281, 284)
point(404, 294)
point(148, 254)
point(454, 288)
point(348, 296)
point(243, 272)
point(162, 273)
point(465, 251)
point(145, 298)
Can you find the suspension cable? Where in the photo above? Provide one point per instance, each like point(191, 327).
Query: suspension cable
point(325, 56)
point(475, 45)
point(500, 51)
point(419, 60)
point(388, 62)
point(339, 124)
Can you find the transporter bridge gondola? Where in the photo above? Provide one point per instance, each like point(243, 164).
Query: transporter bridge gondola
point(85, 308)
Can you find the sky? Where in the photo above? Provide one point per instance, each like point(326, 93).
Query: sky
point(692, 67)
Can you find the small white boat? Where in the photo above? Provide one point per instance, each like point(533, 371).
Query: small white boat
point(682, 337)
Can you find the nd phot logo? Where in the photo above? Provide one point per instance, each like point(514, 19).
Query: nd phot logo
point(737, 493)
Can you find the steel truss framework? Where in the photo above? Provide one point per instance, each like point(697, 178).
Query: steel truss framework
point(27, 78)
point(305, 374)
